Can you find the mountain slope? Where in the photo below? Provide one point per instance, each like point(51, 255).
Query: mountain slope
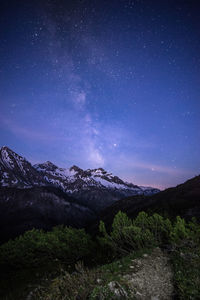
point(45, 195)
point(183, 200)
point(95, 188)
point(75, 178)
point(38, 207)
point(16, 171)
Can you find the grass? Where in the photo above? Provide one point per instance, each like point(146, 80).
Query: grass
point(55, 278)
point(59, 276)
point(120, 267)
point(92, 283)
point(17, 284)
point(186, 267)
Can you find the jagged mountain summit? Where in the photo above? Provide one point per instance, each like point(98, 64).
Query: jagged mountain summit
point(74, 178)
point(16, 171)
point(44, 195)
point(95, 188)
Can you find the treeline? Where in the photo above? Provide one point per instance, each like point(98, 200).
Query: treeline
point(147, 231)
point(69, 245)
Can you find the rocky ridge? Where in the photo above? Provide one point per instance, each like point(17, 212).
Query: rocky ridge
point(16, 171)
point(95, 188)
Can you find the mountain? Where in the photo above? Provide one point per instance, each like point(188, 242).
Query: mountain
point(16, 171)
point(38, 207)
point(45, 195)
point(183, 200)
point(94, 188)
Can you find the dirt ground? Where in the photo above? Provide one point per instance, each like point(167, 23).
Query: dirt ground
point(151, 277)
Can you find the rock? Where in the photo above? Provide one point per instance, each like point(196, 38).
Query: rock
point(138, 295)
point(151, 277)
point(117, 290)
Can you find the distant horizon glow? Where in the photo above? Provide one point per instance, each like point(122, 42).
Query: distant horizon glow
point(111, 84)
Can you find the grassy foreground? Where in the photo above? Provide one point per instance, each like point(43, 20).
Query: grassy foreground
point(67, 263)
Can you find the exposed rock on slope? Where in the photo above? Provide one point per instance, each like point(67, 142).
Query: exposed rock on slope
point(95, 188)
point(16, 171)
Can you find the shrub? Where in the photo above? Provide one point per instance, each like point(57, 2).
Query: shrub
point(66, 245)
point(120, 221)
point(158, 226)
point(77, 285)
point(36, 247)
point(125, 235)
point(179, 232)
point(69, 244)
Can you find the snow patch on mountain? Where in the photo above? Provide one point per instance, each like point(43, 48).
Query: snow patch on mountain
point(16, 171)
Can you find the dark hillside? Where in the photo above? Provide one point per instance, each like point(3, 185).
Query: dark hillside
point(183, 200)
point(38, 207)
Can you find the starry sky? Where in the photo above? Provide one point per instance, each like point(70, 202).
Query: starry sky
point(98, 83)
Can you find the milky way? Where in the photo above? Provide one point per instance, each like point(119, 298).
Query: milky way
point(111, 84)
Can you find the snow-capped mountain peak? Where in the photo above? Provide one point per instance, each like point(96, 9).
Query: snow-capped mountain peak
point(16, 171)
point(75, 169)
point(9, 158)
point(75, 178)
point(97, 186)
point(48, 166)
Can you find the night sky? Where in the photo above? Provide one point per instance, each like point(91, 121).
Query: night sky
point(112, 84)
